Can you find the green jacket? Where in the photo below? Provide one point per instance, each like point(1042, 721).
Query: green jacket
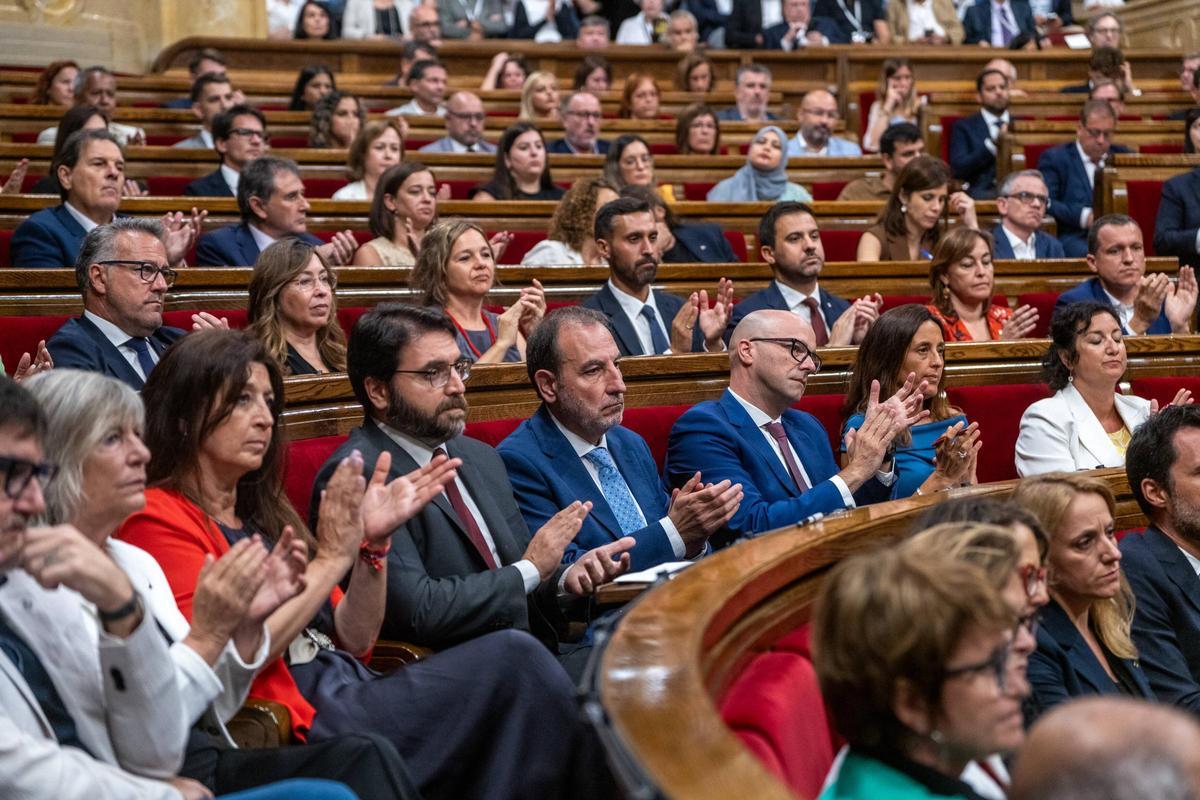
point(863, 777)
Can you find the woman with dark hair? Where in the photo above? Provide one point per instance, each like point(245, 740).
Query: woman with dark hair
point(336, 120)
point(912, 222)
point(316, 21)
point(897, 100)
point(75, 119)
point(508, 71)
point(963, 282)
point(904, 344)
point(56, 85)
point(293, 308)
point(764, 176)
point(640, 97)
point(570, 239)
point(698, 131)
point(683, 243)
point(403, 208)
point(1191, 131)
point(378, 146)
point(594, 74)
point(629, 162)
point(1088, 423)
point(696, 73)
point(522, 169)
point(314, 82)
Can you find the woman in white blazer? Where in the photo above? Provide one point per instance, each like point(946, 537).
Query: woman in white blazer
point(1086, 424)
point(359, 18)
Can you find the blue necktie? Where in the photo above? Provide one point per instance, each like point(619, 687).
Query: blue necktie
point(1006, 30)
point(142, 348)
point(657, 337)
point(616, 491)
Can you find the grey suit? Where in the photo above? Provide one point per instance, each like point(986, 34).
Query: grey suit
point(193, 143)
point(446, 145)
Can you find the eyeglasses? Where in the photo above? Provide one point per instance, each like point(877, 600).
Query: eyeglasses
point(799, 350)
point(1098, 133)
point(996, 663)
point(18, 473)
point(440, 376)
point(250, 133)
point(430, 24)
point(1106, 30)
point(1029, 198)
point(467, 117)
point(146, 270)
point(1033, 578)
point(586, 114)
point(305, 283)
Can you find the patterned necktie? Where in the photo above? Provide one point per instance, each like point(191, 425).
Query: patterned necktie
point(657, 338)
point(142, 348)
point(818, 324)
point(780, 435)
point(616, 491)
point(470, 525)
point(1006, 29)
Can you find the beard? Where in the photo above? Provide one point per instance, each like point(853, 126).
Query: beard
point(593, 426)
point(639, 274)
point(433, 429)
point(1186, 518)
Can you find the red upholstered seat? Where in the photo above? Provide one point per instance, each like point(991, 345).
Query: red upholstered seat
point(521, 244)
point(1144, 197)
point(323, 187)
point(827, 190)
point(827, 408)
point(6, 247)
point(737, 240)
point(19, 335)
point(492, 431)
point(664, 149)
point(301, 465)
point(840, 245)
point(167, 185)
point(1161, 389)
point(1033, 152)
point(998, 411)
point(1044, 303)
point(288, 142)
point(182, 318)
point(348, 315)
point(891, 301)
point(697, 190)
point(1160, 149)
point(653, 423)
point(948, 121)
point(459, 188)
point(162, 139)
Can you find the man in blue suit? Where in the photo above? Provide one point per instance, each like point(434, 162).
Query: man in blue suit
point(1163, 465)
point(1022, 203)
point(645, 321)
point(239, 136)
point(997, 23)
point(272, 204)
point(1148, 304)
point(1070, 173)
point(781, 456)
point(751, 91)
point(1177, 227)
point(973, 140)
point(790, 241)
point(574, 448)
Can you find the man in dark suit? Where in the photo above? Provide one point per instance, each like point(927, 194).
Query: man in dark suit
point(581, 116)
point(973, 140)
point(239, 136)
point(1148, 304)
point(781, 456)
point(790, 241)
point(466, 564)
point(751, 91)
point(1070, 173)
point(1177, 227)
point(574, 448)
point(272, 204)
point(1163, 464)
point(465, 120)
point(647, 322)
point(1022, 204)
point(997, 23)
point(799, 28)
point(854, 22)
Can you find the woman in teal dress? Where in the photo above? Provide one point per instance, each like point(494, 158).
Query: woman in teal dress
point(934, 455)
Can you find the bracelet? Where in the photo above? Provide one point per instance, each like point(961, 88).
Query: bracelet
point(373, 558)
point(918, 492)
point(119, 613)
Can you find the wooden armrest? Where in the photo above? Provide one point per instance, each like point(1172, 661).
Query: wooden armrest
point(389, 655)
point(261, 723)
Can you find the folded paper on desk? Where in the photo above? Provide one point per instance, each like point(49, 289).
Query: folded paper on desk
point(652, 574)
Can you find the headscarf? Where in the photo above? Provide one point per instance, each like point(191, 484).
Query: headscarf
point(749, 184)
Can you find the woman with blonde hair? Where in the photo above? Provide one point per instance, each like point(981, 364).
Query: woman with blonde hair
point(378, 146)
point(640, 97)
point(539, 96)
point(293, 309)
point(896, 100)
point(963, 281)
point(570, 240)
point(1084, 645)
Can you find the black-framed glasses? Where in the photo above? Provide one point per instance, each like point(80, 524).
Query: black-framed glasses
point(146, 270)
point(18, 473)
point(440, 376)
point(467, 117)
point(799, 350)
point(250, 133)
point(996, 664)
point(1029, 198)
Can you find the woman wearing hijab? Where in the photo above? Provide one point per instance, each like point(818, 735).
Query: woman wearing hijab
point(764, 177)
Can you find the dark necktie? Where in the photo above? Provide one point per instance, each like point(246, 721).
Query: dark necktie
point(470, 148)
point(468, 519)
point(657, 338)
point(780, 435)
point(818, 324)
point(1006, 29)
point(142, 348)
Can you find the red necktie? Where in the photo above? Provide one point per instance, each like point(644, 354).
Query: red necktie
point(818, 324)
point(780, 435)
point(467, 519)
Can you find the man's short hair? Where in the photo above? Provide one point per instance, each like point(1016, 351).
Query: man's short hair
point(564, 102)
point(205, 54)
point(1108, 220)
point(1107, 82)
point(204, 81)
point(420, 67)
point(981, 77)
point(379, 338)
point(72, 151)
point(84, 76)
point(751, 69)
point(1108, 61)
point(1010, 180)
point(1101, 107)
point(595, 21)
point(222, 125)
point(258, 180)
point(897, 133)
point(1094, 22)
point(1151, 452)
point(766, 226)
point(100, 244)
point(541, 349)
point(620, 207)
point(20, 414)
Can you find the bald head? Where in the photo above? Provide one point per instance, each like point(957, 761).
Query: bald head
point(465, 119)
point(768, 374)
point(818, 114)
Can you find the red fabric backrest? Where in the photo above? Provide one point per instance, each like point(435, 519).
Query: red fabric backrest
point(322, 187)
point(737, 240)
point(840, 245)
point(167, 185)
point(289, 142)
point(1033, 152)
point(697, 190)
point(521, 244)
point(348, 315)
point(865, 99)
point(998, 411)
point(653, 423)
point(20, 335)
point(1044, 303)
point(413, 145)
point(301, 465)
point(182, 318)
point(1144, 197)
point(827, 408)
point(947, 127)
point(459, 188)
point(891, 301)
point(492, 431)
point(1161, 389)
point(1161, 149)
point(664, 149)
point(827, 190)
point(162, 139)
point(5, 248)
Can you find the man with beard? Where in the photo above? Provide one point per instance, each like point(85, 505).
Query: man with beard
point(790, 241)
point(466, 564)
point(973, 141)
point(574, 447)
point(626, 234)
point(1162, 564)
point(818, 114)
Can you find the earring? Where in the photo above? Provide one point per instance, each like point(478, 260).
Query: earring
point(903, 208)
point(1071, 378)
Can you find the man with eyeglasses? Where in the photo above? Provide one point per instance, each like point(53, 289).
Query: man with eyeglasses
point(580, 112)
point(818, 114)
point(91, 174)
point(466, 564)
point(974, 140)
point(239, 136)
point(1070, 173)
point(465, 122)
point(423, 24)
point(1022, 204)
point(753, 435)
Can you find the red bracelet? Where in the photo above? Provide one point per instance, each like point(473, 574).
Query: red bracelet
point(374, 558)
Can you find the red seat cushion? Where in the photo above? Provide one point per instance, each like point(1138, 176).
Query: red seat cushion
point(301, 465)
point(1161, 389)
point(891, 301)
point(348, 315)
point(737, 241)
point(492, 431)
point(653, 423)
point(322, 187)
point(827, 190)
point(1033, 152)
point(162, 139)
point(998, 411)
point(1044, 303)
point(522, 242)
point(459, 189)
point(1144, 197)
point(697, 190)
point(1161, 149)
point(827, 408)
point(20, 335)
point(948, 121)
point(840, 245)
point(664, 148)
point(6, 247)
point(167, 185)
point(182, 318)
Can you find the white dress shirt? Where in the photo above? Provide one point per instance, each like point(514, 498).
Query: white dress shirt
point(261, 239)
point(772, 13)
point(795, 302)
point(993, 122)
point(413, 109)
point(232, 177)
point(1022, 251)
point(635, 30)
point(1193, 562)
point(1125, 312)
point(1005, 10)
point(921, 19)
point(423, 454)
point(119, 338)
point(805, 149)
point(282, 14)
point(1089, 167)
point(86, 222)
point(633, 310)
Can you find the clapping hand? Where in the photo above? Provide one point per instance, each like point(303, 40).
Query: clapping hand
point(182, 231)
point(1020, 324)
point(1180, 302)
point(388, 505)
point(714, 320)
point(1182, 398)
point(29, 366)
point(340, 249)
point(16, 178)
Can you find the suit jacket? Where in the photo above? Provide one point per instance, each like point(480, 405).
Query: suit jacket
point(440, 591)
point(831, 12)
point(1166, 619)
point(744, 24)
point(1062, 433)
point(977, 21)
point(234, 246)
point(211, 185)
point(1092, 290)
point(943, 12)
point(178, 102)
point(732, 114)
point(627, 339)
point(1044, 245)
point(718, 439)
point(445, 145)
point(48, 238)
point(547, 476)
point(832, 306)
point(79, 344)
point(970, 160)
point(453, 13)
point(1178, 220)
point(708, 17)
point(1063, 666)
point(561, 146)
point(1070, 193)
point(193, 143)
point(566, 21)
point(699, 241)
point(773, 36)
